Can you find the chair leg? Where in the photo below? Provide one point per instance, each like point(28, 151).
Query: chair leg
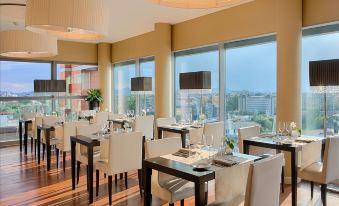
point(126, 184)
point(97, 182)
point(64, 160)
point(104, 175)
point(182, 202)
point(140, 181)
point(35, 146)
point(312, 187)
point(57, 157)
point(43, 151)
point(110, 189)
point(323, 193)
point(283, 179)
point(170, 204)
point(31, 144)
point(87, 176)
point(116, 179)
point(78, 171)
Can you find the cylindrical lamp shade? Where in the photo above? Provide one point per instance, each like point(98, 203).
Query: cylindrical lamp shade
point(324, 73)
point(26, 44)
point(199, 4)
point(69, 19)
point(141, 84)
point(195, 80)
point(49, 86)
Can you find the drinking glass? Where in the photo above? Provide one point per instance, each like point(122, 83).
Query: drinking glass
point(132, 113)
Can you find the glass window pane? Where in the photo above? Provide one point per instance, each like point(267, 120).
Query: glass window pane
point(123, 100)
point(250, 87)
point(147, 70)
point(192, 102)
point(319, 47)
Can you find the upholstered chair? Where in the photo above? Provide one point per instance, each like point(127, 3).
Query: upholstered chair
point(145, 124)
point(326, 171)
point(101, 118)
point(30, 130)
point(167, 187)
point(215, 129)
point(195, 135)
point(124, 154)
point(165, 122)
point(112, 116)
point(55, 136)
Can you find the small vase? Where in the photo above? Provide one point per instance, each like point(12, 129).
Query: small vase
point(228, 150)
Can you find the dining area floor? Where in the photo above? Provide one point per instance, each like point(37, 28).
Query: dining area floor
point(24, 182)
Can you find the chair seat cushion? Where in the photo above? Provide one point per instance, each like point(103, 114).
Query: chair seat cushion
point(313, 173)
point(179, 188)
point(83, 149)
point(83, 158)
point(238, 201)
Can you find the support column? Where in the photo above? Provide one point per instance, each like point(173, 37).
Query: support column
point(163, 70)
point(289, 27)
point(104, 63)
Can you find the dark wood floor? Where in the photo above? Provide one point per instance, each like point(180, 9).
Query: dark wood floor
point(23, 182)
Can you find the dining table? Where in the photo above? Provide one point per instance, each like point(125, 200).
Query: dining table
point(182, 169)
point(182, 129)
point(24, 122)
point(291, 145)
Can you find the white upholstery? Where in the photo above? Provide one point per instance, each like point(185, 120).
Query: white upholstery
point(247, 133)
point(215, 129)
point(101, 118)
point(263, 185)
point(145, 124)
point(37, 121)
point(165, 122)
point(328, 170)
point(29, 116)
point(69, 129)
point(51, 120)
point(124, 153)
point(167, 187)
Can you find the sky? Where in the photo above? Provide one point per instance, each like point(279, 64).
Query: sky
point(250, 68)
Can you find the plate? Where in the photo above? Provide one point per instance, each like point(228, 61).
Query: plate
point(201, 166)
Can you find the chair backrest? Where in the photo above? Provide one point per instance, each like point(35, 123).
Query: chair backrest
point(70, 130)
point(195, 135)
point(88, 129)
point(28, 115)
point(101, 117)
point(160, 147)
point(127, 145)
point(331, 160)
point(263, 185)
point(165, 121)
point(215, 129)
point(50, 120)
point(247, 133)
point(38, 121)
point(145, 124)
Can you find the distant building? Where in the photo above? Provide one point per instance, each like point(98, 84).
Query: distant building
point(257, 103)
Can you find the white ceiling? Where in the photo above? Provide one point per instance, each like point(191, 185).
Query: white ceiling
point(128, 18)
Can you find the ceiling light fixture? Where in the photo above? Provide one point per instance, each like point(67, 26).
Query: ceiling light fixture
point(199, 4)
point(26, 44)
point(69, 19)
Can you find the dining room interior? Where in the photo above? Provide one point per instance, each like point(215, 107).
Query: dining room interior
point(169, 102)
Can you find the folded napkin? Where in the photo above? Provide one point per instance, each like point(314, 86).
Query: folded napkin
point(225, 162)
point(306, 140)
point(184, 153)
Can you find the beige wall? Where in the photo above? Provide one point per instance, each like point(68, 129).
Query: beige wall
point(104, 63)
point(74, 52)
point(320, 12)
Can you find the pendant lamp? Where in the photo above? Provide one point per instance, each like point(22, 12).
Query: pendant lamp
point(199, 4)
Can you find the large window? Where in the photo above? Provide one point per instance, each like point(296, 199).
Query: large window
point(250, 84)
point(123, 98)
point(318, 47)
point(190, 104)
point(79, 78)
point(17, 94)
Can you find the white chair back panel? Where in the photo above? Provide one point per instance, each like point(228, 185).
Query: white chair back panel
point(101, 118)
point(50, 120)
point(145, 124)
point(165, 121)
point(247, 133)
point(125, 152)
point(161, 147)
point(28, 115)
point(38, 121)
point(264, 185)
point(195, 135)
point(70, 130)
point(88, 129)
point(310, 153)
point(215, 129)
point(331, 159)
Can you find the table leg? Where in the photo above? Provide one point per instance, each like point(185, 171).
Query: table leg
point(294, 172)
point(245, 148)
point(39, 143)
point(48, 148)
point(199, 193)
point(147, 174)
point(25, 137)
point(90, 172)
point(159, 133)
point(20, 135)
point(73, 148)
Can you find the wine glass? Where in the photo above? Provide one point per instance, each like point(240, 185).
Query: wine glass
point(209, 145)
point(132, 113)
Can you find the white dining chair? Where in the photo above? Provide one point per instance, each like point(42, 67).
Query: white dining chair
point(121, 153)
point(55, 136)
point(145, 124)
point(326, 171)
point(215, 129)
point(261, 188)
point(165, 122)
point(167, 187)
point(245, 133)
point(30, 129)
point(101, 118)
point(69, 129)
point(195, 135)
point(81, 151)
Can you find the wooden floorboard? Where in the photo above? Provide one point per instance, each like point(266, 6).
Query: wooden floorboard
point(24, 182)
